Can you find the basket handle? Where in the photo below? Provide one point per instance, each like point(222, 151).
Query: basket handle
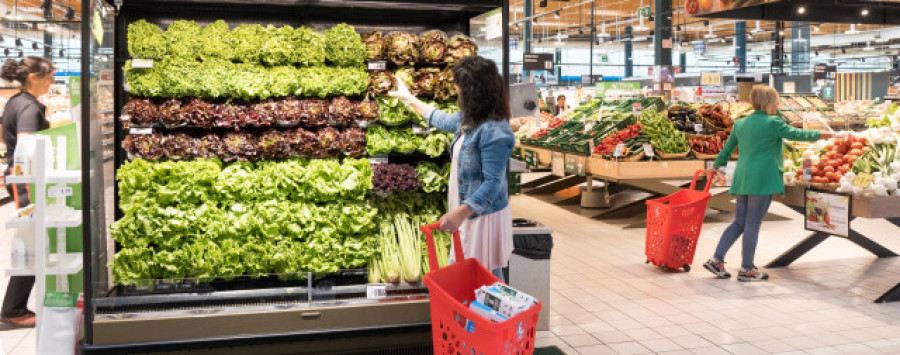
point(709, 180)
point(432, 251)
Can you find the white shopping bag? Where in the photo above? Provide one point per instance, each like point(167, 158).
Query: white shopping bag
point(60, 324)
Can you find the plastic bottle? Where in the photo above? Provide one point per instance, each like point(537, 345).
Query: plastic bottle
point(22, 159)
point(18, 251)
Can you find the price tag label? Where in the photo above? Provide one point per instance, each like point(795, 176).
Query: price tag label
point(59, 192)
point(376, 292)
point(698, 127)
point(620, 148)
point(807, 170)
point(863, 180)
point(145, 130)
point(377, 65)
point(142, 63)
point(378, 159)
point(636, 108)
point(648, 150)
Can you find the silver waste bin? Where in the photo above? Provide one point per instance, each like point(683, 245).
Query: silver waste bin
point(529, 264)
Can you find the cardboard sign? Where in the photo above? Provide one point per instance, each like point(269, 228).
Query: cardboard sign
point(863, 180)
point(827, 212)
point(648, 150)
point(620, 148)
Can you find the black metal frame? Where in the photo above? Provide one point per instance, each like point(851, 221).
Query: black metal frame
point(449, 15)
point(824, 11)
point(816, 238)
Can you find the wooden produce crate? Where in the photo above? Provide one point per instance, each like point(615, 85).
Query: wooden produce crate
point(862, 206)
point(657, 169)
point(544, 156)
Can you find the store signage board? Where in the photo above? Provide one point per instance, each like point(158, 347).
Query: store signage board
point(537, 61)
point(493, 25)
point(531, 159)
point(827, 212)
point(620, 148)
point(575, 165)
point(700, 48)
point(711, 79)
point(698, 8)
point(604, 86)
point(558, 164)
point(648, 150)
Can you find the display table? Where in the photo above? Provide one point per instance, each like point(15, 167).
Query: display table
point(887, 208)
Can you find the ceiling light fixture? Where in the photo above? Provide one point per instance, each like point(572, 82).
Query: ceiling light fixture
point(641, 27)
point(758, 29)
point(801, 10)
point(710, 35)
point(556, 14)
point(816, 28)
point(46, 4)
point(70, 13)
point(865, 12)
point(852, 30)
point(18, 42)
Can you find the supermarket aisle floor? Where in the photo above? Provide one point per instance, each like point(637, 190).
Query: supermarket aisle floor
point(605, 300)
point(14, 341)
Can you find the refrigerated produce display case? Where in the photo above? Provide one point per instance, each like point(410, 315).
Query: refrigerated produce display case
point(239, 206)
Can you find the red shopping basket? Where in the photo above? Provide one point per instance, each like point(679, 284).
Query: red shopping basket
point(673, 226)
point(456, 329)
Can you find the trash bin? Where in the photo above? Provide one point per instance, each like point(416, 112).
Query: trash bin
point(529, 264)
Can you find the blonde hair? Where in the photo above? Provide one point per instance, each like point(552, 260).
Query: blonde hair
point(763, 97)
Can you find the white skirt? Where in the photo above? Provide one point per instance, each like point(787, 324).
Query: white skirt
point(488, 238)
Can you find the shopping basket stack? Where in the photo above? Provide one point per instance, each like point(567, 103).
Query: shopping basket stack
point(673, 226)
point(455, 328)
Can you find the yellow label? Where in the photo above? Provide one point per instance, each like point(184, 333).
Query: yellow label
point(863, 180)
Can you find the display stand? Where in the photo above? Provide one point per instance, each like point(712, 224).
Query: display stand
point(43, 264)
point(886, 208)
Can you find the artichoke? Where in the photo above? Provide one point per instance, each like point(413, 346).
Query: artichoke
point(458, 48)
point(432, 46)
point(374, 42)
point(401, 48)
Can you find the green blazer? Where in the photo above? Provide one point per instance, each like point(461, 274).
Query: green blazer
point(760, 165)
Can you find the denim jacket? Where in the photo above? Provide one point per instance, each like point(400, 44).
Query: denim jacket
point(483, 161)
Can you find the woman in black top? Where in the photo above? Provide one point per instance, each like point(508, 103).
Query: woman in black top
point(23, 115)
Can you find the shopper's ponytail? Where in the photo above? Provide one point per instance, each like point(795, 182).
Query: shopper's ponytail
point(19, 70)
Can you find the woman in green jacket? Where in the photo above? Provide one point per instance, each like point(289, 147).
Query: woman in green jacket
point(757, 177)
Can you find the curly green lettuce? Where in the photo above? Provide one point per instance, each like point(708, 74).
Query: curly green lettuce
point(344, 47)
point(146, 41)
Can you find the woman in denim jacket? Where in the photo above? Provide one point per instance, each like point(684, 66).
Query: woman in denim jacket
point(478, 199)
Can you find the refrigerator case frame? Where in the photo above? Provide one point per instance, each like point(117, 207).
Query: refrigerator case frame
point(323, 325)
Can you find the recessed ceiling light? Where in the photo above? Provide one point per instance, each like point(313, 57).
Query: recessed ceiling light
point(865, 12)
point(801, 10)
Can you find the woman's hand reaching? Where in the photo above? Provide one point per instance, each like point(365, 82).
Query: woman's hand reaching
point(451, 221)
point(402, 92)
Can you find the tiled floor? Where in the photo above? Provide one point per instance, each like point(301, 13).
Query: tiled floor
point(605, 300)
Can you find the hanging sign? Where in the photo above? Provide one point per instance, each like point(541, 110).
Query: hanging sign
point(705, 7)
point(493, 25)
point(537, 61)
point(827, 212)
point(711, 79)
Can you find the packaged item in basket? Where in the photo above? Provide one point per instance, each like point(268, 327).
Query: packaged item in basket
point(486, 312)
point(514, 293)
point(497, 300)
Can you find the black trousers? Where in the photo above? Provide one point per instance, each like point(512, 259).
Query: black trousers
point(15, 302)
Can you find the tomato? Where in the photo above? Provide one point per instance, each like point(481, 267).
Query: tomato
point(838, 177)
point(852, 160)
point(836, 163)
point(856, 152)
point(865, 149)
point(822, 163)
point(838, 156)
point(830, 155)
point(857, 145)
point(843, 148)
point(829, 169)
point(815, 171)
point(831, 176)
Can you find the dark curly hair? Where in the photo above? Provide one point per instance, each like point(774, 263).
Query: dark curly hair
point(14, 70)
point(482, 92)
